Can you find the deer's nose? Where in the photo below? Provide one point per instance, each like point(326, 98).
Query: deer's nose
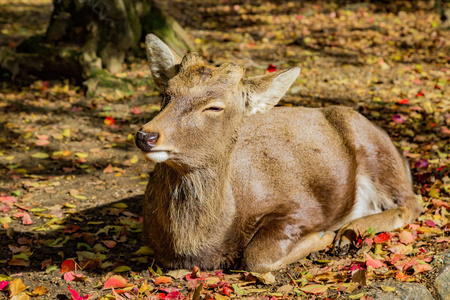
point(146, 140)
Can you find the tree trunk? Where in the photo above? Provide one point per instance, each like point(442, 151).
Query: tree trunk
point(84, 37)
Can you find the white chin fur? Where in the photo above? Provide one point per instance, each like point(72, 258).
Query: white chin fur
point(157, 156)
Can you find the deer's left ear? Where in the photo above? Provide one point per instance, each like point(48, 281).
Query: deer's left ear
point(161, 60)
point(264, 92)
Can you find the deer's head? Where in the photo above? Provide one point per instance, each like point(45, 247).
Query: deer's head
point(203, 106)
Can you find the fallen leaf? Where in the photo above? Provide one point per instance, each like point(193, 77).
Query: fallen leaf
point(374, 263)
point(67, 265)
point(40, 155)
point(3, 285)
point(387, 288)
point(39, 291)
point(76, 295)
point(26, 219)
point(16, 287)
point(406, 237)
point(115, 281)
point(122, 269)
point(163, 279)
point(381, 238)
point(109, 121)
point(314, 289)
point(271, 68)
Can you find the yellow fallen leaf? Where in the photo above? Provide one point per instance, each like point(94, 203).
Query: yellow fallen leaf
point(66, 132)
point(16, 287)
point(387, 288)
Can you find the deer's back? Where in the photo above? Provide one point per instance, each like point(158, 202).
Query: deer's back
point(303, 163)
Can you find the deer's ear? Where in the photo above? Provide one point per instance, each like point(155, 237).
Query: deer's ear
point(161, 60)
point(263, 92)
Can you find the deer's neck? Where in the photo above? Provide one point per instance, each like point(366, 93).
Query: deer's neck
point(195, 207)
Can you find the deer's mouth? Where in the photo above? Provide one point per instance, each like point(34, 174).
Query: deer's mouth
point(157, 156)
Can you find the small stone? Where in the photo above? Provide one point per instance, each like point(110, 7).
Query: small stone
point(442, 284)
point(403, 291)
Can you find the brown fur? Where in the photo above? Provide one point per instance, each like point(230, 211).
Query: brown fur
point(238, 187)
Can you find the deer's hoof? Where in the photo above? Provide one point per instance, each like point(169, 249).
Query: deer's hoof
point(344, 240)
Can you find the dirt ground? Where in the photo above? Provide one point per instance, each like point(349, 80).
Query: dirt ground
point(71, 179)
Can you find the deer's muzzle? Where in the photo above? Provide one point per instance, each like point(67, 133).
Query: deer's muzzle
point(146, 140)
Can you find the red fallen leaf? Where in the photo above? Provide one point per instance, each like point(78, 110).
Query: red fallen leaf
point(4, 208)
point(42, 136)
point(440, 168)
point(163, 279)
point(161, 296)
point(44, 86)
point(403, 101)
point(271, 68)
point(422, 267)
point(401, 276)
point(397, 257)
point(381, 238)
point(136, 110)
point(79, 160)
point(19, 262)
point(397, 118)
point(67, 265)
point(115, 281)
point(413, 226)
point(357, 266)
point(26, 219)
point(442, 240)
point(3, 285)
point(175, 295)
point(226, 291)
point(108, 169)
point(420, 94)
point(76, 295)
point(45, 263)
point(72, 276)
point(406, 237)
point(374, 263)
point(417, 82)
point(109, 121)
point(430, 223)
point(368, 241)
point(422, 163)
point(8, 199)
point(70, 228)
point(42, 142)
point(18, 215)
point(110, 243)
point(68, 170)
point(69, 276)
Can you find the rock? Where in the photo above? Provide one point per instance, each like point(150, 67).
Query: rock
point(442, 284)
point(403, 291)
point(442, 281)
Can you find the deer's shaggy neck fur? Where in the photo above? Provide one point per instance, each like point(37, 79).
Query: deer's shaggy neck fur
point(193, 206)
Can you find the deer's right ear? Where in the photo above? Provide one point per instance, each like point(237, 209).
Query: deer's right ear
point(161, 60)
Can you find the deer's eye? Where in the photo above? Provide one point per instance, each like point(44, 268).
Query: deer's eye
point(214, 109)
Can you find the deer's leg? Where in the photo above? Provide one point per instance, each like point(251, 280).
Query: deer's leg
point(265, 254)
point(387, 220)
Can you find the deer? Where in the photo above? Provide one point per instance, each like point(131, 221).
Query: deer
point(239, 183)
